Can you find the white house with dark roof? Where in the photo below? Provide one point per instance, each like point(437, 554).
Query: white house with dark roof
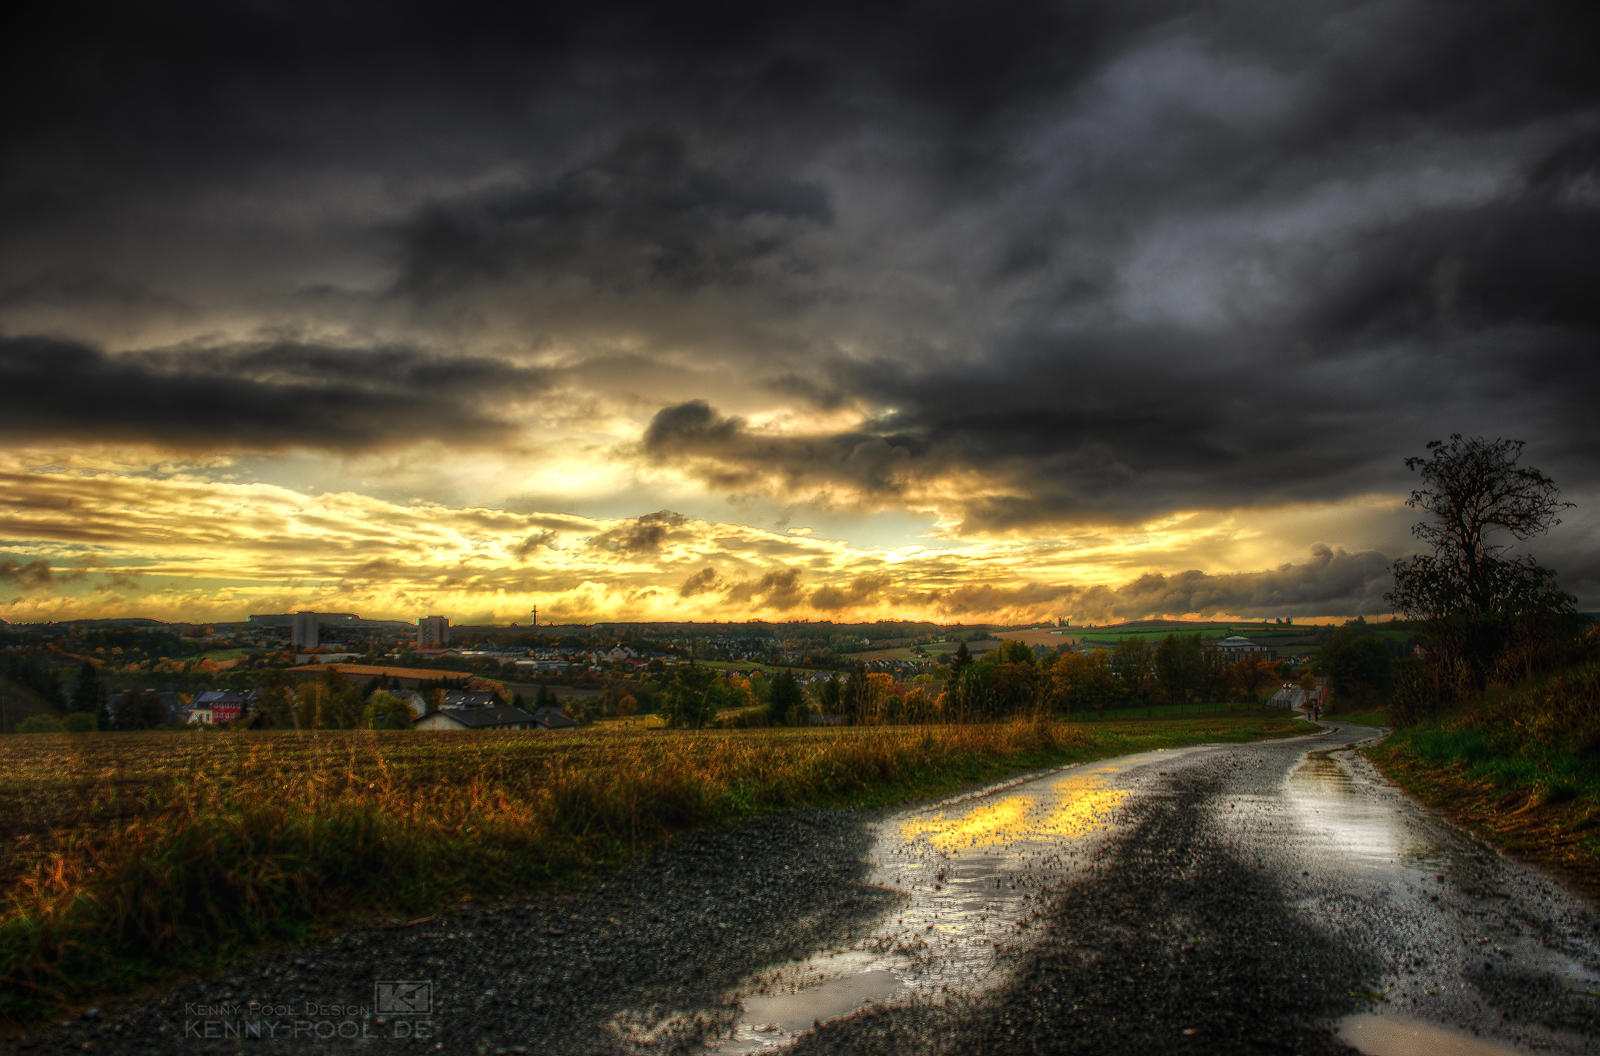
point(491, 717)
point(1239, 646)
point(468, 698)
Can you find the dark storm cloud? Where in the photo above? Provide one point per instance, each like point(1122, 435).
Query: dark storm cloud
point(643, 535)
point(861, 592)
point(640, 216)
point(260, 398)
point(1390, 217)
point(778, 589)
point(728, 455)
point(1068, 262)
point(40, 573)
point(26, 574)
point(704, 581)
point(529, 546)
point(782, 589)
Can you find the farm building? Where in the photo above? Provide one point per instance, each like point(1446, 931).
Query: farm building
point(491, 717)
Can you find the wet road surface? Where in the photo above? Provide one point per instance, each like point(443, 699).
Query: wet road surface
point(1273, 897)
point(1276, 896)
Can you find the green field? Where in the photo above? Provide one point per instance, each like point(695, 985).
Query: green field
point(128, 858)
point(1379, 717)
point(1167, 712)
point(219, 655)
point(1266, 634)
point(907, 652)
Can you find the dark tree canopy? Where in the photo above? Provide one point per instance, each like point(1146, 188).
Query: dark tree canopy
point(1487, 614)
point(1479, 501)
point(86, 690)
point(1358, 665)
point(788, 699)
point(139, 711)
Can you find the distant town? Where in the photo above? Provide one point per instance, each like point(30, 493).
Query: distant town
point(142, 673)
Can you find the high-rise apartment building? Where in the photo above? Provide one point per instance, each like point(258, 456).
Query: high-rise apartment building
point(304, 632)
point(433, 632)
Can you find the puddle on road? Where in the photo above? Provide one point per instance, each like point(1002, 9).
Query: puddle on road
point(975, 871)
point(1384, 876)
point(1400, 1036)
point(1345, 826)
point(1020, 819)
point(818, 994)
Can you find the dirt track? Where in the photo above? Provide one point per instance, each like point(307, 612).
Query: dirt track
point(1218, 899)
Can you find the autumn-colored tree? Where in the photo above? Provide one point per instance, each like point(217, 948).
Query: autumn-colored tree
point(1251, 675)
point(1086, 681)
point(920, 708)
point(865, 695)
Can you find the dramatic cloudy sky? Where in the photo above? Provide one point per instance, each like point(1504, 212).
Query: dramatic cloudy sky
point(959, 311)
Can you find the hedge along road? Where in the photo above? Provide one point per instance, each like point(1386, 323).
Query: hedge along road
point(1275, 896)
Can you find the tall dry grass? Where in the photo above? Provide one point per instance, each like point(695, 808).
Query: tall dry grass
point(125, 856)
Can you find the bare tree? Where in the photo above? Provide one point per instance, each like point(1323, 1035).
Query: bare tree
point(1479, 500)
point(1477, 602)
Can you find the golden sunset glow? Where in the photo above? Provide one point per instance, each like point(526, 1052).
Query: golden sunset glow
point(640, 339)
point(184, 542)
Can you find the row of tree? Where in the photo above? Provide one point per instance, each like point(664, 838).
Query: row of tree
point(1181, 669)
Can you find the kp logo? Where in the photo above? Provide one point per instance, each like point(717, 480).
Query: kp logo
point(403, 997)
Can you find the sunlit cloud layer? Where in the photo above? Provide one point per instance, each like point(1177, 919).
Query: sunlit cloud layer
point(1013, 308)
point(87, 542)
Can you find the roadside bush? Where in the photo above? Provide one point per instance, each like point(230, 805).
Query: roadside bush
point(1541, 734)
point(1359, 667)
point(39, 724)
point(78, 722)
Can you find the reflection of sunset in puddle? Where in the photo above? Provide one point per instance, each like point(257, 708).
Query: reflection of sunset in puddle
point(1089, 812)
point(991, 823)
point(1342, 824)
point(1016, 818)
point(974, 873)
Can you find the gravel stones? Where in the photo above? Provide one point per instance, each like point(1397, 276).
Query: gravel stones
point(637, 961)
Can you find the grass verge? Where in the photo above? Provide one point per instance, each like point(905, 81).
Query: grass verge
point(1376, 717)
point(129, 857)
point(1520, 767)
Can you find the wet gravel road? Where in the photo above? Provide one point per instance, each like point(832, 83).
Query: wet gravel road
point(1274, 897)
